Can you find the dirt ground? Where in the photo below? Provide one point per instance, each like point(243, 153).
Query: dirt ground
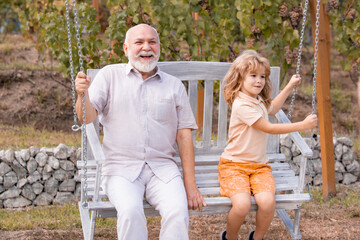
point(329, 220)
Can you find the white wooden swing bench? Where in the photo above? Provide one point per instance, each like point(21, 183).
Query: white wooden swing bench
point(289, 187)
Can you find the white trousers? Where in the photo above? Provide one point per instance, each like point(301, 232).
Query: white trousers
point(168, 198)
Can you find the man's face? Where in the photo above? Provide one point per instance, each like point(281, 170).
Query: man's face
point(143, 48)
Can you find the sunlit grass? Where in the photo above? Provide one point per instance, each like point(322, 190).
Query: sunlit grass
point(12, 42)
point(64, 217)
point(18, 137)
point(346, 197)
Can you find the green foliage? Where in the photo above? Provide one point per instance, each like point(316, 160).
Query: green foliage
point(211, 30)
point(8, 17)
point(345, 22)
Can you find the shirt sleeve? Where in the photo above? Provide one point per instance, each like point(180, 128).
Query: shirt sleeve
point(98, 91)
point(183, 110)
point(247, 113)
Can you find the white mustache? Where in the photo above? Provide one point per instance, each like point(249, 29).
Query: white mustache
point(146, 54)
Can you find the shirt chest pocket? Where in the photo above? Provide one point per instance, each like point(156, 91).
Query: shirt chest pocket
point(162, 109)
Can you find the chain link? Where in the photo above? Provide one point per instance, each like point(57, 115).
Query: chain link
point(316, 50)
point(75, 127)
point(299, 56)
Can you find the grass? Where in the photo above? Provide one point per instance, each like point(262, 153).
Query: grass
point(18, 137)
point(10, 48)
point(346, 198)
point(66, 217)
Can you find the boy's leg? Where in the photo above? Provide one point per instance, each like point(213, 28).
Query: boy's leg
point(265, 213)
point(241, 204)
point(263, 187)
point(170, 200)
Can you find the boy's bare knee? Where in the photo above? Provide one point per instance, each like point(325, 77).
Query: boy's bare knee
point(265, 201)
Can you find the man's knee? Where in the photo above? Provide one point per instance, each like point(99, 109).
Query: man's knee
point(130, 210)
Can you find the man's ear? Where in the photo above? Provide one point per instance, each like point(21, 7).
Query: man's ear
point(125, 47)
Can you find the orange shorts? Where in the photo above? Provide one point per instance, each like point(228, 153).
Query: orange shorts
point(236, 177)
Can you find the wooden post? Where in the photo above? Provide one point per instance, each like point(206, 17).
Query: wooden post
point(95, 4)
point(200, 94)
point(323, 97)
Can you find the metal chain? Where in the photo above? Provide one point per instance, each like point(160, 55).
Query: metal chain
point(75, 126)
point(316, 49)
point(299, 56)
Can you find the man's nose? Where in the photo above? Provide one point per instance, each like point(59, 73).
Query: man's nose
point(146, 46)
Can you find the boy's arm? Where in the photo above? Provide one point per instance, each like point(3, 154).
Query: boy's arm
point(187, 155)
point(279, 100)
point(280, 128)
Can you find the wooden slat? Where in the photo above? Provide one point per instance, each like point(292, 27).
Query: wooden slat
point(208, 114)
point(274, 140)
point(192, 93)
point(195, 70)
point(285, 201)
point(222, 119)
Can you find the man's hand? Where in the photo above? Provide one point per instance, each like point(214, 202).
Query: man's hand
point(82, 83)
point(194, 198)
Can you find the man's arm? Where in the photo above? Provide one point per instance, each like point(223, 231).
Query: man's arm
point(82, 84)
point(187, 155)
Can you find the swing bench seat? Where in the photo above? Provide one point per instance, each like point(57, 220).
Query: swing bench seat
point(289, 186)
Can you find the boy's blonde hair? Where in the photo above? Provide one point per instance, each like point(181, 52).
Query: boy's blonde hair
point(249, 61)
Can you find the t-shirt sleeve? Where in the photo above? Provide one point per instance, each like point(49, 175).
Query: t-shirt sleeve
point(98, 91)
point(247, 113)
point(183, 110)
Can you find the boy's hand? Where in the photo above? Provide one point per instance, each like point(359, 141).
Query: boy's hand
point(295, 80)
point(310, 121)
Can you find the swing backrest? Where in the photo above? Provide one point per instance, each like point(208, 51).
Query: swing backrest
point(209, 75)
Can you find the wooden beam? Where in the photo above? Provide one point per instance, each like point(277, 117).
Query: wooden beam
point(323, 98)
point(95, 4)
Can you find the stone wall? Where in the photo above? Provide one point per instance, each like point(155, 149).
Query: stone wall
point(347, 168)
point(39, 176)
point(49, 175)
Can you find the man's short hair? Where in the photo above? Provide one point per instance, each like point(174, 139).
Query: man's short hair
point(130, 29)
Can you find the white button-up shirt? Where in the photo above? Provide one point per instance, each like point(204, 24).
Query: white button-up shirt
point(140, 119)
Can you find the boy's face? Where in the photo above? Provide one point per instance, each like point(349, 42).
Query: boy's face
point(254, 82)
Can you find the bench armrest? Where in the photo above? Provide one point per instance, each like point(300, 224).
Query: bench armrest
point(295, 136)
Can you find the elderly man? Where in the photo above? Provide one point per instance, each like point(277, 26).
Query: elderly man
point(144, 111)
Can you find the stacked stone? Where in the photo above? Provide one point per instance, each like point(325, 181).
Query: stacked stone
point(38, 176)
point(347, 168)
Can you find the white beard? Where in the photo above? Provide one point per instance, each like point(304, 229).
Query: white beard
point(144, 67)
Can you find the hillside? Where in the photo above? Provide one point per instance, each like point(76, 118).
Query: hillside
point(31, 95)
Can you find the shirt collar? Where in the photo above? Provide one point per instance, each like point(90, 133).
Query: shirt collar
point(130, 68)
point(246, 97)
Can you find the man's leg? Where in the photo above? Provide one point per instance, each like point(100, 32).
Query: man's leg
point(127, 197)
point(170, 200)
